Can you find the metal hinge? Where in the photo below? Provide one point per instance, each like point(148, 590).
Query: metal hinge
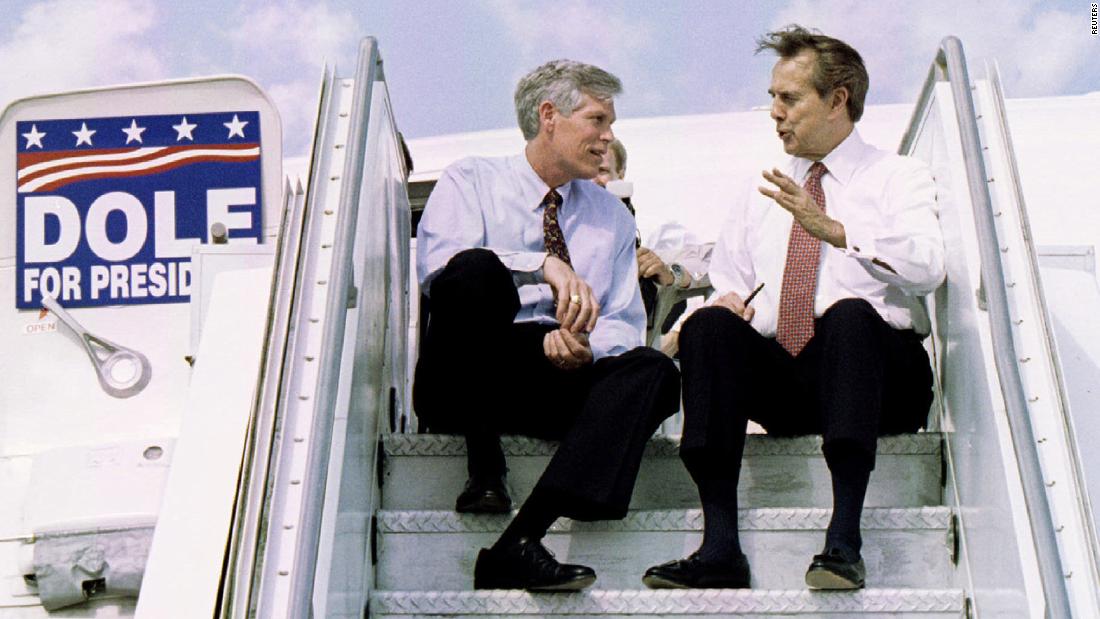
point(943, 466)
point(953, 539)
point(374, 540)
point(393, 409)
point(380, 462)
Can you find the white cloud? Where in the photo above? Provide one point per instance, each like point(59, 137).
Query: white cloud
point(1045, 58)
point(293, 31)
point(588, 32)
point(297, 104)
point(897, 38)
point(284, 46)
point(65, 44)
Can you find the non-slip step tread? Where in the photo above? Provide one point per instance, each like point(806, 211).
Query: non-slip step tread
point(921, 443)
point(436, 550)
point(667, 602)
point(783, 519)
point(427, 471)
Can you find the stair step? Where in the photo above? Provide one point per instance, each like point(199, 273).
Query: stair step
point(924, 603)
point(427, 471)
point(436, 550)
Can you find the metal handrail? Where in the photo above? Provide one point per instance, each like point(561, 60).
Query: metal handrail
point(251, 559)
point(950, 66)
point(332, 345)
point(247, 528)
point(1046, 324)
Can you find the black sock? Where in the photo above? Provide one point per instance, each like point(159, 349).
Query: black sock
point(533, 520)
point(484, 456)
point(721, 542)
point(851, 471)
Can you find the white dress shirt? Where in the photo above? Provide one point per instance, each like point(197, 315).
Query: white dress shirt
point(675, 244)
point(496, 203)
point(666, 239)
point(887, 204)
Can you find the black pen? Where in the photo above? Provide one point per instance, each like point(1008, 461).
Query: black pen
point(752, 295)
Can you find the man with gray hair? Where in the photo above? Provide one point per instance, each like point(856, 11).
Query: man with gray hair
point(536, 325)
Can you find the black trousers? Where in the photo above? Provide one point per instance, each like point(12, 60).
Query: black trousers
point(857, 379)
point(481, 375)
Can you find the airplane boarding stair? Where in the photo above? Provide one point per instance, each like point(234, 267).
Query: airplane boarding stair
point(950, 525)
point(426, 551)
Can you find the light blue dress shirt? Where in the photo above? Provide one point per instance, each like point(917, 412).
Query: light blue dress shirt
point(496, 203)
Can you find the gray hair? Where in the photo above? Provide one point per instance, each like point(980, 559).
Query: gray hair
point(562, 82)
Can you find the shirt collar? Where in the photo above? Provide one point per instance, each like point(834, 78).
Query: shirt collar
point(534, 188)
point(841, 162)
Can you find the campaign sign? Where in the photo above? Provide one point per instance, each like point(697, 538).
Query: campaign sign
point(108, 209)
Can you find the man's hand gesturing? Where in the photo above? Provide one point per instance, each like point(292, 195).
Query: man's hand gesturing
point(577, 308)
point(794, 198)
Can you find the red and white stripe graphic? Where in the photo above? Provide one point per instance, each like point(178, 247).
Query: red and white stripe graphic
point(48, 171)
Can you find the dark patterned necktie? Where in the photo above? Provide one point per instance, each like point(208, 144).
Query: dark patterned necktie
point(796, 297)
point(551, 231)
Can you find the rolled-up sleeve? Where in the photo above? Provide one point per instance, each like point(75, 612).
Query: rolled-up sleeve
point(904, 247)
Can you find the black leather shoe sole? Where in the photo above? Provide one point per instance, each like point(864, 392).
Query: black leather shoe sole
point(574, 584)
point(692, 574)
point(490, 576)
point(485, 502)
point(660, 581)
point(830, 574)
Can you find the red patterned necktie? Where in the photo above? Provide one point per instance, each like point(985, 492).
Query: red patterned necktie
point(796, 297)
point(551, 231)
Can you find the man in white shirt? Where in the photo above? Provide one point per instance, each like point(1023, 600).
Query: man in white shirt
point(536, 325)
point(846, 240)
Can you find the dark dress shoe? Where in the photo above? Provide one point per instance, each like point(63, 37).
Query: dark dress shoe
point(832, 570)
point(527, 564)
point(694, 573)
point(484, 496)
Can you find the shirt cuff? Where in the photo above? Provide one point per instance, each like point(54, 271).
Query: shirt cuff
point(526, 267)
point(861, 242)
point(522, 260)
point(699, 278)
point(528, 278)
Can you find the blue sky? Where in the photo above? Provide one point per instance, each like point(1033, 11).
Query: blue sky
point(451, 65)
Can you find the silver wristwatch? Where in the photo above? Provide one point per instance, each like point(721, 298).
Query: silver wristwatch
point(679, 277)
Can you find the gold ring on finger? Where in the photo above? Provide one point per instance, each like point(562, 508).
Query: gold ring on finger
point(575, 299)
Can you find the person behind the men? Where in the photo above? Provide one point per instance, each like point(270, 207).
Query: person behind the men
point(536, 325)
point(667, 255)
point(847, 240)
